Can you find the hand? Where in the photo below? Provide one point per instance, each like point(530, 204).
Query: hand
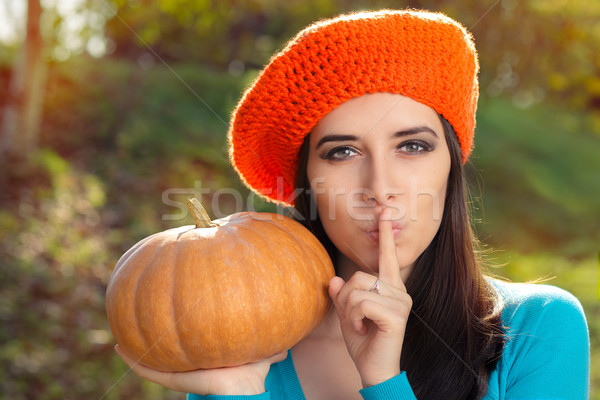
point(245, 379)
point(374, 324)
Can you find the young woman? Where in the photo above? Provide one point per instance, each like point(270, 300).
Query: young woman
point(363, 124)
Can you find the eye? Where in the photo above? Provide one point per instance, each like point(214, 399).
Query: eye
point(340, 153)
point(414, 147)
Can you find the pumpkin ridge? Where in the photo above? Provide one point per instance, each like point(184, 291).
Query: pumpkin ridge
point(316, 275)
point(177, 318)
point(266, 270)
point(203, 293)
point(242, 232)
point(316, 280)
point(209, 290)
point(295, 315)
point(128, 254)
point(124, 318)
point(284, 226)
point(251, 247)
point(137, 303)
point(156, 351)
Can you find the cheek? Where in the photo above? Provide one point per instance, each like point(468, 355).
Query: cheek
point(428, 202)
point(331, 205)
point(329, 190)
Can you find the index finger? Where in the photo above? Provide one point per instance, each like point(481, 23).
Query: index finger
point(389, 268)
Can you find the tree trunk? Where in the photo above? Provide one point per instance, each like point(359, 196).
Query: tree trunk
point(23, 112)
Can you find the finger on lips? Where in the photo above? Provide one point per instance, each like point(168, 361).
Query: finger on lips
point(353, 298)
point(389, 269)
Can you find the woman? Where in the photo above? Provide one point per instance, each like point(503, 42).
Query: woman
point(363, 123)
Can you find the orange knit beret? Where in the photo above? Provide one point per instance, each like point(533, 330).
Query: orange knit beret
point(426, 56)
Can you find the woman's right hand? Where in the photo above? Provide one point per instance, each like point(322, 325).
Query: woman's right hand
point(374, 323)
point(247, 379)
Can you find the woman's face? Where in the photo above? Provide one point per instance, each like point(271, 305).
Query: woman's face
point(374, 151)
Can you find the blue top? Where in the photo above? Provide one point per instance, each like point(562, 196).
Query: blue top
point(546, 356)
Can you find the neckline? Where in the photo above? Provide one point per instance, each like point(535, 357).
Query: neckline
point(288, 379)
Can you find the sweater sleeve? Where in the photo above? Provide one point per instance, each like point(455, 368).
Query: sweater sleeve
point(396, 388)
point(548, 349)
point(273, 384)
point(263, 396)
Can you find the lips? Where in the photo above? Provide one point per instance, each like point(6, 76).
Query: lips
point(373, 232)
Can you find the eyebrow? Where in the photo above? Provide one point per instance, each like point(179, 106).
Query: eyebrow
point(406, 132)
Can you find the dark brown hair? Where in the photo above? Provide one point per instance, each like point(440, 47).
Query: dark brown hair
point(454, 337)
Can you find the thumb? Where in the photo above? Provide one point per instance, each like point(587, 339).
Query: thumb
point(278, 357)
point(335, 286)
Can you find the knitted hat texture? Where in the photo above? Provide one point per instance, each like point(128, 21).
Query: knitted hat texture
point(426, 56)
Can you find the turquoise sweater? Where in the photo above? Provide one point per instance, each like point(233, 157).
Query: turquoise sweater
point(546, 357)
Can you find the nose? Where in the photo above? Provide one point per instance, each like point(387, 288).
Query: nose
point(380, 184)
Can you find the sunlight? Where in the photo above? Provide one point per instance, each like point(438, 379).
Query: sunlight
point(77, 17)
point(12, 21)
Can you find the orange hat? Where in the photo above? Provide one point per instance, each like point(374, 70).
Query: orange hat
point(426, 56)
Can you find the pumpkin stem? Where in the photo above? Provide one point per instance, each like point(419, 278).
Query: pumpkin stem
point(199, 214)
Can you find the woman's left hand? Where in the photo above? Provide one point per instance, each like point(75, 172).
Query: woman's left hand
point(374, 324)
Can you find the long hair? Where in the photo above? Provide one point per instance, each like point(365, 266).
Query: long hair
point(454, 336)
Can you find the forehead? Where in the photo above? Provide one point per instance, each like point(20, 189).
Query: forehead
point(376, 112)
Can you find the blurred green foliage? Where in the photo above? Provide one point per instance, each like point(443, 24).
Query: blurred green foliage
point(539, 178)
point(127, 137)
point(529, 50)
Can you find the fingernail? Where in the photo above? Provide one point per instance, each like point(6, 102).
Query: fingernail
point(386, 214)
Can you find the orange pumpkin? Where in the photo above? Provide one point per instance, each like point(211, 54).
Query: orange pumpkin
point(222, 293)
